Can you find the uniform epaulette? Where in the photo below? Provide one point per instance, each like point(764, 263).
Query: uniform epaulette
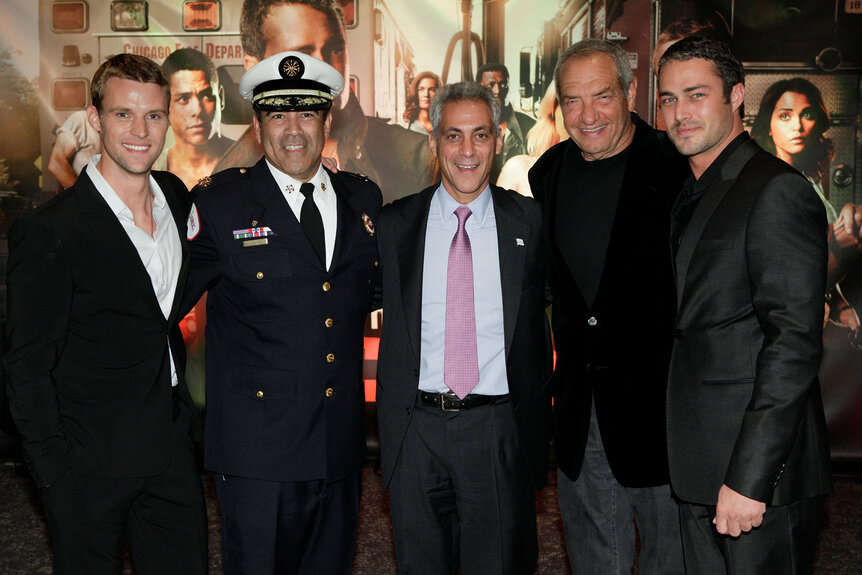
point(354, 175)
point(220, 178)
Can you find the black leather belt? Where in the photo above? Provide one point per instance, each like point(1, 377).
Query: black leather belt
point(451, 402)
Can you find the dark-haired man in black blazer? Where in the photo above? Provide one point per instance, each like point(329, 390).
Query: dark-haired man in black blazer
point(747, 446)
point(96, 357)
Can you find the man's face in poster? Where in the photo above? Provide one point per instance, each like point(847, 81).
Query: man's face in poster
point(301, 28)
point(195, 107)
point(498, 84)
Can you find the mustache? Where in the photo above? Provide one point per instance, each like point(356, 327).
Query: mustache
point(294, 140)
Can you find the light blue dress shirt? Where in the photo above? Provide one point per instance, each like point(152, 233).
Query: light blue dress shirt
point(481, 226)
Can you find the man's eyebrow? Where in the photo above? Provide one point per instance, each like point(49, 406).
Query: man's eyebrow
point(694, 88)
point(603, 91)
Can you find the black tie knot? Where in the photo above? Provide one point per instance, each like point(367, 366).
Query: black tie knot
point(307, 189)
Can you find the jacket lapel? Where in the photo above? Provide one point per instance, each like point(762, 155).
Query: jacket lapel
point(557, 266)
point(705, 209)
point(513, 236)
point(108, 230)
point(276, 214)
point(348, 220)
point(180, 215)
point(411, 258)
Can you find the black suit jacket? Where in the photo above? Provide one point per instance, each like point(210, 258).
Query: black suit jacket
point(284, 336)
point(89, 368)
point(744, 406)
point(402, 250)
point(618, 350)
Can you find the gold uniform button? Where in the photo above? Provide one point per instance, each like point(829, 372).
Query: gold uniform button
point(328, 322)
point(376, 263)
point(329, 392)
point(260, 275)
point(259, 394)
point(326, 286)
point(330, 357)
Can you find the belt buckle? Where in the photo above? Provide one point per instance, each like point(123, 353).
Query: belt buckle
point(443, 397)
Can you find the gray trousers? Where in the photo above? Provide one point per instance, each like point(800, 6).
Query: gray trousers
point(461, 495)
point(599, 517)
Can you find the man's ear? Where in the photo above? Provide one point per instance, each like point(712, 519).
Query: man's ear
point(256, 123)
point(93, 118)
point(249, 62)
point(432, 144)
point(327, 124)
point(737, 96)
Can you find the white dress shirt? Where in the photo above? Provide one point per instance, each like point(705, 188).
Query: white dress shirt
point(324, 199)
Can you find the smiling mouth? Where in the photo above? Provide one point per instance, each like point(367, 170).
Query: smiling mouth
point(466, 166)
point(294, 147)
point(589, 131)
point(141, 148)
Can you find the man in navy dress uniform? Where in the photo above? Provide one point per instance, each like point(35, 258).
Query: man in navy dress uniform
point(288, 254)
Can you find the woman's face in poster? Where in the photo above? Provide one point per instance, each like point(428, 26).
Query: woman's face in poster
point(792, 125)
point(425, 92)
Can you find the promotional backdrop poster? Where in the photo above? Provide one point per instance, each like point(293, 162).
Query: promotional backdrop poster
point(809, 50)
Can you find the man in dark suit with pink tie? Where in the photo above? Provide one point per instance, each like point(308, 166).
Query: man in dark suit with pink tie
point(464, 355)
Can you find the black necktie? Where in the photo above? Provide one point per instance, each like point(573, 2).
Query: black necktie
point(312, 223)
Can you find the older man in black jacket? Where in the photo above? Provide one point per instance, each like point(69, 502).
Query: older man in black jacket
point(606, 195)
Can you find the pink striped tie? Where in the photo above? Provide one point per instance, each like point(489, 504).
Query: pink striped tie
point(461, 363)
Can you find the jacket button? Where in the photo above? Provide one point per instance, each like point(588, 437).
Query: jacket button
point(326, 286)
point(260, 275)
point(330, 357)
point(329, 392)
point(259, 394)
point(592, 322)
point(678, 334)
point(407, 409)
point(376, 263)
point(328, 322)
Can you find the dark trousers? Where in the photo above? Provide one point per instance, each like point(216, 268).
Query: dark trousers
point(461, 494)
point(163, 517)
point(784, 543)
point(290, 527)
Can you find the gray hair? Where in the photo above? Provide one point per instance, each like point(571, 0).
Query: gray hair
point(585, 49)
point(463, 91)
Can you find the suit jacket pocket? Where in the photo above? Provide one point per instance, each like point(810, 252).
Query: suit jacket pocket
point(259, 408)
point(709, 245)
point(742, 381)
point(258, 266)
point(261, 384)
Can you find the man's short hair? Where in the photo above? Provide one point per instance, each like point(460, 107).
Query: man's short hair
point(585, 49)
point(724, 62)
point(460, 92)
point(491, 67)
point(254, 12)
point(190, 59)
point(127, 67)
